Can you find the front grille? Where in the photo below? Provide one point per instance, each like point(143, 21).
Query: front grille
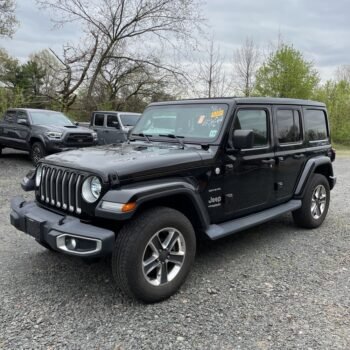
point(76, 139)
point(61, 188)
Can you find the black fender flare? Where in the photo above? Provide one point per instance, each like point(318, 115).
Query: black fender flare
point(309, 169)
point(143, 192)
point(33, 139)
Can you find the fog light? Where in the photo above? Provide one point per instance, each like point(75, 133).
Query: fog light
point(71, 243)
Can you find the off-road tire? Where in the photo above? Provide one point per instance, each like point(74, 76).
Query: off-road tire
point(303, 217)
point(130, 245)
point(37, 152)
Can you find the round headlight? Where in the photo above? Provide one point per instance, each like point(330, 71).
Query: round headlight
point(91, 189)
point(38, 175)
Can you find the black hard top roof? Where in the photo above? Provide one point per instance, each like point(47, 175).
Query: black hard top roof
point(246, 100)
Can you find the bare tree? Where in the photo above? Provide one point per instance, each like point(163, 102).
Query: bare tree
point(8, 21)
point(212, 75)
point(343, 73)
point(125, 23)
point(122, 79)
point(246, 62)
point(74, 67)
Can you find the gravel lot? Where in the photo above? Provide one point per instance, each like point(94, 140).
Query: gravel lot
point(272, 287)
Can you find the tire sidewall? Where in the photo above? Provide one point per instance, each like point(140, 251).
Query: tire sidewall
point(136, 279)
point(40, 147)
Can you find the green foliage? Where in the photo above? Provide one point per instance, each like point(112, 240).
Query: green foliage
point(286, 74)
point(336, 95)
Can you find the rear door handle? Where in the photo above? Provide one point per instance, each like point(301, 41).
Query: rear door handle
point(299, 156)
point(268, 161)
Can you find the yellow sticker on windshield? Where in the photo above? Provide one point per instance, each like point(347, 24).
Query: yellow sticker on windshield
point(218, 113)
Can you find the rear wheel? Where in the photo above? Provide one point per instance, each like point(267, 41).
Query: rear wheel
point(314, 204)
point(153, 254)
point(37, 152)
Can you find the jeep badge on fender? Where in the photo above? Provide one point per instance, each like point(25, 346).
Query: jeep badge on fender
point(145, 202)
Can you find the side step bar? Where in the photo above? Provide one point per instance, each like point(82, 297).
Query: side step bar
point(233, 226)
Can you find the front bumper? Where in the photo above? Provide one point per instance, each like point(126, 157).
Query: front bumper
point(66, 234)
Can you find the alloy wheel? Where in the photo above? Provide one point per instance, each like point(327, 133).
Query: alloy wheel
point(318, 201)
point(164, 256)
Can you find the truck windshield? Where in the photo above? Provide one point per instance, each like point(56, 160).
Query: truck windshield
point(50, 118)
point(129, 119)
point(201, 122)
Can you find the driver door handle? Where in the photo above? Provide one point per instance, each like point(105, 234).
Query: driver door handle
point(299, 156)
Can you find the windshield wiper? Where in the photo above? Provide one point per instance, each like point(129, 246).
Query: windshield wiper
point(141, 134)
point(172, 136)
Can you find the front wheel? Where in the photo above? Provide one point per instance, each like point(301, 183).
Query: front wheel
point(37, 152)
point(153, 254)
point(315, 203)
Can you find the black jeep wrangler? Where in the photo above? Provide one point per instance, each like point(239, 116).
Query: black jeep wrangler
point(42, 132)
point(206, 167)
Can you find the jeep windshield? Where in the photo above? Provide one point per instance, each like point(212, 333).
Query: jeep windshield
point(192, 122)
point(50, 118)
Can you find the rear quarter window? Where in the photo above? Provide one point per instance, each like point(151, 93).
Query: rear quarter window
point(315, 125)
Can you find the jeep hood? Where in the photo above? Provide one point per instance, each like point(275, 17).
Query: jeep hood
point(129, 161)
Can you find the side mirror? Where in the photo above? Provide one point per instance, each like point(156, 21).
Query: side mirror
point(129, 134)
point(243, 139)
point(23, 122)
point(76, 123)
point(116, 125)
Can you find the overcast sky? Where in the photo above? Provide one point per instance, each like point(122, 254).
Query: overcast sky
point(319, 28)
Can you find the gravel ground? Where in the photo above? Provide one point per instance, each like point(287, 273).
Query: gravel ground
point(272, 287)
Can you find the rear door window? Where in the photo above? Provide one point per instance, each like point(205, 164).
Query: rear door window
point(315, 125)
point(288, 126)
point(99, 119)
point(10, 117)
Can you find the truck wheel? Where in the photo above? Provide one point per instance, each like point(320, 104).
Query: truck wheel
point(37, 152)
point(153, 254)
point(314, 204)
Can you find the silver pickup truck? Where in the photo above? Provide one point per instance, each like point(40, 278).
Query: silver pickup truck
point(113, 126)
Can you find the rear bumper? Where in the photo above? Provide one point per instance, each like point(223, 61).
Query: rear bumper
point(65, 234)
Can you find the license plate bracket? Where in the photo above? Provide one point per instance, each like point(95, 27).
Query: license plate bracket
point(34, 226)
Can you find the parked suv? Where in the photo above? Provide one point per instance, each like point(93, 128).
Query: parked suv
point(192, 168)
point(42, 132)
point(113, 127)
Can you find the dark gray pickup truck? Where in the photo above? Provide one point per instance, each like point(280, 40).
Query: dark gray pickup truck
point(113, 127)
point(42, 132)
